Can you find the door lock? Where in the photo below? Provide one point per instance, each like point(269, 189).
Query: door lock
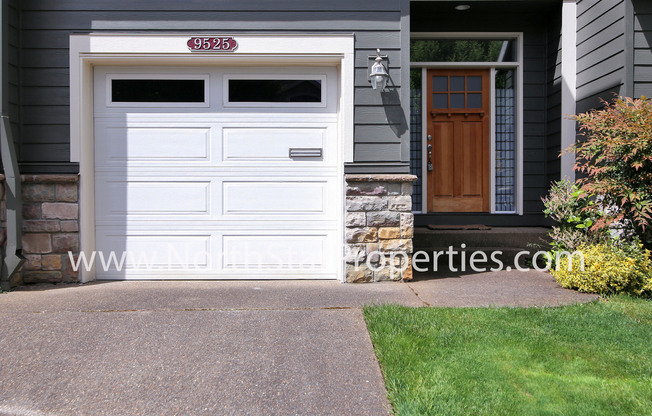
point(429, 156)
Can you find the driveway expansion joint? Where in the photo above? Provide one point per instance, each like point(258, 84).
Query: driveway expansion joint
point(417, 295)
point(321, 308)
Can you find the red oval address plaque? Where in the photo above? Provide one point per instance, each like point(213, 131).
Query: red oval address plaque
point(212, 44)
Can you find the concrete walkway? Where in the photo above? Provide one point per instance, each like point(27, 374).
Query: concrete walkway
point(216, 348)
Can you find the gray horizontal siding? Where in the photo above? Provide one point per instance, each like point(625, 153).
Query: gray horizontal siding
point(47, 25)
point(642, 73)
point(553, 101)
point(11, 78)
point(601, 57)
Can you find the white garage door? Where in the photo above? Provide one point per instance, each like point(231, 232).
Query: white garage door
point(217, 173)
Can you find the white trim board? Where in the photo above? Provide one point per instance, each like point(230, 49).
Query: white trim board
point(90, 50)
point(568, 86)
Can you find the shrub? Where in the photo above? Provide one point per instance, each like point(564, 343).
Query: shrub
point(568, 205)
point(616, 157)
point(608, 269)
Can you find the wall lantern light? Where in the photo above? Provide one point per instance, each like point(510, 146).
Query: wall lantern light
point(378, 74)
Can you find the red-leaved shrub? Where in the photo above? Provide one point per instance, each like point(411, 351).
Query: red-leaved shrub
point(615, 158)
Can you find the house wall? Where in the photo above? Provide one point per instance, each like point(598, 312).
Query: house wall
point(553, 115)
point(642, 43)
point(532, 20)
point(601, 51)
point(12, 77)
point(381, 141)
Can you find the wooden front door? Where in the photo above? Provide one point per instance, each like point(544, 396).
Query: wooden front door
point(457, 146)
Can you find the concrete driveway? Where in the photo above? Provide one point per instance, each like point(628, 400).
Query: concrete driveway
point(192, 348)
point(209, 348)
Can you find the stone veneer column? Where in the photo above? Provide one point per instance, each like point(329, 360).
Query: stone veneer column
point(379, 224)
point(50, 227)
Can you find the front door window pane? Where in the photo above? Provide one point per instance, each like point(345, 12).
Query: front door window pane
point(440, 84)
point(474, 100)
point(457, 100)
point(440, 100)
point(474, 83)
point(457, 83)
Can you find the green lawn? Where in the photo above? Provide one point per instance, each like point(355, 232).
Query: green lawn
point(592, 359)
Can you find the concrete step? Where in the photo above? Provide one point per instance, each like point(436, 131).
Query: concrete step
point(521, 238)
point(503, 244)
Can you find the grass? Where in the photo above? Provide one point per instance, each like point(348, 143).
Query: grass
point(591, 359)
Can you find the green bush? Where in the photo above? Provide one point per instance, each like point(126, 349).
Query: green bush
point(608, 269)
point(570, 207)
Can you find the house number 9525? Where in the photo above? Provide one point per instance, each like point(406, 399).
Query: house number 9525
point(212, 44)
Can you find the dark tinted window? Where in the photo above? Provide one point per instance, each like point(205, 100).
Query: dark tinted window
point(157, 90)
point(462, 50)
point(274, 91)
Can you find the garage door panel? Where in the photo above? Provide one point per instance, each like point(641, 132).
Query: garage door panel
point(121, 198)
point(289, 198)
point(272, 145)
point(122, 146)
point(275, 252)
point(153, 252)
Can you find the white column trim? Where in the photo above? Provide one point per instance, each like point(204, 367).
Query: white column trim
point(492, 141)
point(568, 85)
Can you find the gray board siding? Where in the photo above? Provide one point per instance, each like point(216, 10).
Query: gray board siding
point(642, 43)
point(554, 116)
point(11, 79)
point(380, 122)
point(601, 53)
point(531, 19)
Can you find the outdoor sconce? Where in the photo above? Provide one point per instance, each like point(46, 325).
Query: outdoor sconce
point(378, 74)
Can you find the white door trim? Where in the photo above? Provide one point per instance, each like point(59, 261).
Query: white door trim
point(87, 51)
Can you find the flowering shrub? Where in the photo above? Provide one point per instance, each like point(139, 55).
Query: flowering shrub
point(568, 205)
point(608, 269)
point(616, 159)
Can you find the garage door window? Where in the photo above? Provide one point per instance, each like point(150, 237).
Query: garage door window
point(274, 91)
point(138, 91)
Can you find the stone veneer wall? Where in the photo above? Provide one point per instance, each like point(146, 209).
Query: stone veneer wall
point(379, 222)
point(50, 227)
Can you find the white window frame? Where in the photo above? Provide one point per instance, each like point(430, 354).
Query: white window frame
point(492, 66)
point(172, 76)
point(255, 50)
point(266, 76)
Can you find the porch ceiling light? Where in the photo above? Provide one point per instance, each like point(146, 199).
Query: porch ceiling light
point(379, 73)
point(462, 7)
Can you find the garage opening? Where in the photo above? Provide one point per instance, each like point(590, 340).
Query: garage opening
point(209, 173)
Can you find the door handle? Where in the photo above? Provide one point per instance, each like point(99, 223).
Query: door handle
point(305, 152)
point(429, 157)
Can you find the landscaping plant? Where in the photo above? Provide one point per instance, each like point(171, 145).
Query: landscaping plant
point(615, 157)
point(607, 214)
point(568, 205)
point(607, 269)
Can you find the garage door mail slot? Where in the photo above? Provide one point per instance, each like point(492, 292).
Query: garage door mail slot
point(305, 152)
point(212, 44)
